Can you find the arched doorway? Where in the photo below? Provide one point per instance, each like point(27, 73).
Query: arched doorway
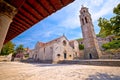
point(90, 56)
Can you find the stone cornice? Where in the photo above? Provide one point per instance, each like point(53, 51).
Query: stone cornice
point(7, 9)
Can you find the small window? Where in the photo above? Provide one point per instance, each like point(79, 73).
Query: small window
point(64, 43)
point(69, 55)
point(81, 42)
point(44, 50)
point(86, 20)
point(73, 47)
point(84, 11)
point(58, 55)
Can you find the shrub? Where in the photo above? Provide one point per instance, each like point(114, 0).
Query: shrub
point(115, 44)
point(81, 47)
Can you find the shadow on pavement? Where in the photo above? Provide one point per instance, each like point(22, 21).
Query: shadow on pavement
point(103, 76)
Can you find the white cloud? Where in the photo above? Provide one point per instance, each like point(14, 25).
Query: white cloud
point(70, 23)
point(106, 9)
point(71, 16)
point(96, 2)
point(48, 34)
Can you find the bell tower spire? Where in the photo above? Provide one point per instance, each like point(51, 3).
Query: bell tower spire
point(90, 42)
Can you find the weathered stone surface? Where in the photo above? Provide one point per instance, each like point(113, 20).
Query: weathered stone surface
point(91, 47)
point(23, 71)
point(55, 50)
point(98, 62)
point(7, 12)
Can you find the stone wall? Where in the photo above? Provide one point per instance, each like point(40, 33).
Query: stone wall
point(6, 58)
point(103, 62)
point(54, 50)
point(60, 49)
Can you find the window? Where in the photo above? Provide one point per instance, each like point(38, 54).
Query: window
point(64, 43)
point(84, 11)
point(73, 47)
point(81, 42)
point(44, 50)
point(69, 55)
point(58, 55)
point(86, 20)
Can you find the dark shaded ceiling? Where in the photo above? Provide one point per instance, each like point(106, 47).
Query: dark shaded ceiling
point(30, 12)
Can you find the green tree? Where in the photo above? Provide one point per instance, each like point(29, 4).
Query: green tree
point(80, 39)
point(20, 49)
point(116, 20)
point(112, 26)
point(8, 48)
point(105, 27)
point(81, 47)
point(115, 44)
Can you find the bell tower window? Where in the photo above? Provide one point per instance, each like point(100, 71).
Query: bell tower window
point(86, 20)
point(84, 11)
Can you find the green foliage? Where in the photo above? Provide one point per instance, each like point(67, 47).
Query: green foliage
point(81, 47)
point(80, 39)
point(20, 49)
point(112, 26)
point(116, 10)
point(106, 27)
point(115, 44)
point(98, 35)
point(26, 55)
point(8, 48)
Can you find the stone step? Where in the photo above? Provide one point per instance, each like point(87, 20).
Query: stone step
point(93, 62)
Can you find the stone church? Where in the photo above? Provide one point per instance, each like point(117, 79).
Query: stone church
point(55, 50)
point(91, 47)
point(63, 49)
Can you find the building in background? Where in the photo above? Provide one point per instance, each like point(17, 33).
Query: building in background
point(56, 50)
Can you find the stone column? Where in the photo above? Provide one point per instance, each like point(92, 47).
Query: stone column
point(7, 12)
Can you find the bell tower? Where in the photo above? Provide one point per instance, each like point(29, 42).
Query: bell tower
point(91, 47)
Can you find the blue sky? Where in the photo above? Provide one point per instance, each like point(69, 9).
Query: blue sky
point(66, 21)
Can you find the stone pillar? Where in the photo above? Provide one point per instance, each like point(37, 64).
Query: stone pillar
point(7, 12)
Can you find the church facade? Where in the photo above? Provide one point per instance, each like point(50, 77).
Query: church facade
point(56, 50)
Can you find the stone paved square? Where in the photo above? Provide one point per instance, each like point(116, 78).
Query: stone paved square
point(25, 71)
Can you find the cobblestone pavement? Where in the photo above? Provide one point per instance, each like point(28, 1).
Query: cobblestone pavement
point(24, 71)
